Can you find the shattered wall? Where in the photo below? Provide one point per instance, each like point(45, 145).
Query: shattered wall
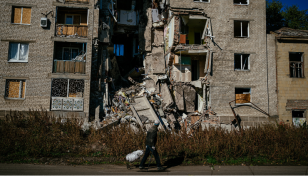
point(224, 78)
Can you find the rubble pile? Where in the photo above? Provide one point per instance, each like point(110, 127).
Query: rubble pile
point(172, 103)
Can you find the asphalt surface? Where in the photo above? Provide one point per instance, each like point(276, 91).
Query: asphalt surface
point(31, 169)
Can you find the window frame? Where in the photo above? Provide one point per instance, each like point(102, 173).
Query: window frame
point(68, 88)
point(71, 49)
point(304, 115)
point(20, 89)
point(17, 60)
point(248, 27)
point(302, 62)
point(198, 1)
point(21, 15)
point(240, 3)
point(248, 69)
point(73, 15)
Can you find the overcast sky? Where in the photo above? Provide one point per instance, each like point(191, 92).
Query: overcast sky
point(302, 4)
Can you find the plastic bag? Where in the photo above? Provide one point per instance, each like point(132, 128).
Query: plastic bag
point(133, 156)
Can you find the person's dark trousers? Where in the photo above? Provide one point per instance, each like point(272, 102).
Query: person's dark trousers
point(147, 153)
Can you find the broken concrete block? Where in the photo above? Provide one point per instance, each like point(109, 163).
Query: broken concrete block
point(158, 60)
point(179, 97)
point(189, 98)
point(167, 98)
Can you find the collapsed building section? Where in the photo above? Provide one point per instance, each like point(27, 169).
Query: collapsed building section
point(157, 63)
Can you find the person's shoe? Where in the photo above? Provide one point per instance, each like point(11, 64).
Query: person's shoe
point(160, 168)
point(141, 167)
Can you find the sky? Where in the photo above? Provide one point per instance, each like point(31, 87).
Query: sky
point(302, 4)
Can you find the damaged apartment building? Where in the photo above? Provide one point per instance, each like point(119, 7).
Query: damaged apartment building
point(184, 62)
point(195, 61)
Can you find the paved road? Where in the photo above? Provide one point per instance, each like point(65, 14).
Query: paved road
point(31, 169)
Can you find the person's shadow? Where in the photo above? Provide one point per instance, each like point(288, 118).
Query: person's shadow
point(174, 161)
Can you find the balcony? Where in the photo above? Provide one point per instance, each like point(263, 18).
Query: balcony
point(62, 66)
point(65, 30)
point(70, 57)
point(66, 104)
point(72, 22)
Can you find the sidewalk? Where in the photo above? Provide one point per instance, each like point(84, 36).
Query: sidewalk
point(31, 169)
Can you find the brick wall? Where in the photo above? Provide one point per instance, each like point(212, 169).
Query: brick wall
point(38, 70)
point(290, 88)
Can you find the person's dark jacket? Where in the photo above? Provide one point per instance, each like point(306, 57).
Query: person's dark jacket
point(151, 136)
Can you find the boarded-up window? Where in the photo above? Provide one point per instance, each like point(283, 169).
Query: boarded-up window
point(15, 89)
point(21, 15)
point(242, 95)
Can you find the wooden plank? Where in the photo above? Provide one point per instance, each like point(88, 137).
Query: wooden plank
point(13, 89)
point(77, 67)
point(84, 31)
point(60, 66)
point(70, 30)
point(23, 89)
point(17, 14)
point(26, 16)
point(242, 98)
point(82, 67)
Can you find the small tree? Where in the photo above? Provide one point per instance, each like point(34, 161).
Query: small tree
point(295, 18)
point(274, 17)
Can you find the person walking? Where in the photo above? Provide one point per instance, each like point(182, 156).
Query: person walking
point(150, 146)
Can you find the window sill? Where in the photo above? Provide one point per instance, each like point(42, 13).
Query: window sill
point(241, 37)
point(242, 70)
point(242, 104)
point(297, 77)
point(18, 99)
point(242, 4)
point(201, 2)
point(17, 61)
point(20, 24)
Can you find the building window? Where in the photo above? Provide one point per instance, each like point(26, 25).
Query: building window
point(241, 2)
point(72, 19)
point(241, 29)
point(241, 62)
point(298, 117)
point(15, 89)
point(296, 65)
point(70, 53)
point(21, 15)
point(242, 95)
point(67, 88)
point(201, 0)
point(18, 52)
point(118, 49)
point(67, 94)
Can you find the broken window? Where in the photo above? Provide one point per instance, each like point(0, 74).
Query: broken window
point(15, 89)
point(18, 52)
point(242, 95)
point(241, 29)
point(298, 117)
point(67, 88)
point(296, 65)
point(70, 53)
point(201, 0)
point(118, 49)
point(241, 2)
point(67, 94)
point(241, 62)
point(21, 15)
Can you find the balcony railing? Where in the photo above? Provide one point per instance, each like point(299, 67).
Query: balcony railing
point(66, 104)
point(71, 30)
point(74, 1)
point(61, 66)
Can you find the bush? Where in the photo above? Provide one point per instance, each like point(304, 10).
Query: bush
point(40, 135)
